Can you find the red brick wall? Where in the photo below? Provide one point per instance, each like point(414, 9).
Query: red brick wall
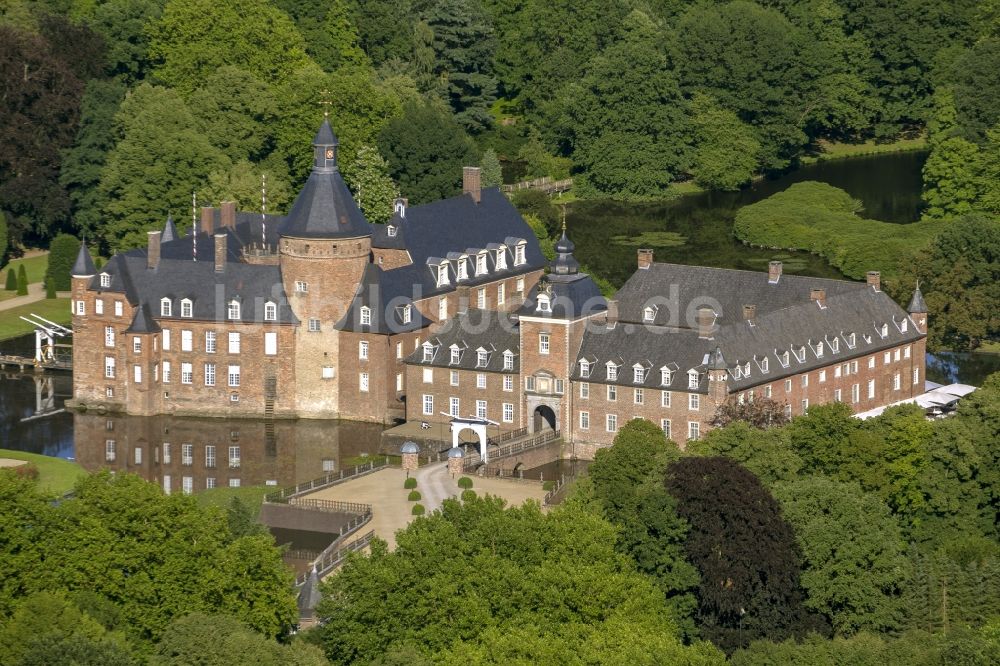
point(467, 392)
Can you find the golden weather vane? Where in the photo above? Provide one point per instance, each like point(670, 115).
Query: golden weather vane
point(325, 102)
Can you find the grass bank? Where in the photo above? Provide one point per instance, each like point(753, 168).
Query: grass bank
point(822, 219)
point(252, 496)
point(55, 475)
point(832, 150)
point(55, 310)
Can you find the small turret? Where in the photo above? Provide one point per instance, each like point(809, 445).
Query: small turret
point(84, 266)
point(918, 310)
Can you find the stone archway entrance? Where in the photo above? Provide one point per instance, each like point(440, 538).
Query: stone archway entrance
point(544, 418)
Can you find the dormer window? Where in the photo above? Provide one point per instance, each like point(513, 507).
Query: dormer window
point(442, 274)
point(819, 349)
point(462, 270)
point(502, 257)
point(481, 263)
point(666, 376)
point(105, 280)
point(852, 341)
point(612, 371)
point(508, 360)
point(165, 307)
point(784, 359)
point(456, 355)
point(649, 313)
point(391, 230)
point(366, 315)
point(692, 378)
point(902, 326)
point(638, 374)
point(800, 354)
point(233, 309)
point(270, 311)
point(585, 369)
point(884, 331)
point(406, 314)
point(519, 253)
point(835, 345)
point(428, 352)
point(186, 308)
point(738, 371)
point(763, 364)
point(746, 369)
point(482, 358)
point(544, 304)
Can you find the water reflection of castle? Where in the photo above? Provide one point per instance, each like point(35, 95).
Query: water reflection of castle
point(189, 455)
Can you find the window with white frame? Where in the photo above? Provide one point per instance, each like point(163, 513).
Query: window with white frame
point(584, 420)
point(136, 344)
point(99, 306)
point(109, 367)
point(166, 372)
point(366, 315)
point(501, 258)
point(187, 307)
point(481, 298)
point(896, 383)
point(234, 483)
point(363, 350)
point(529, 383)
point(694, 430)
point(105, 280)
point(767, 391)
point(428, 404)
point(442, 308)
point(187, 373)
point(836, 395)
point(871, 362)
point(233, 309)
point(560, 386)
point(314, 325)
point(270, 343)
point(407, 314)
point(854, 367)
point(871, 389)
point(363, 382)
point(884, 330)
point(399, 381)
point(209, 374)
point(692, 379)
point(805, 405)
point(481, 263)
point(648, 314)
point(301, 287)
point(399, 350)
point(454, 406)
point(79, 308)
point(110, 452)
point(210, 456)
point(137, 374)
point(234, 343)
point(584, 390)
point(788, 386)
point(612, 370)
point(856, 393)
point(501, 295)
point(480, 409)
point(585, 369)
point(896, 354)
point(428, 352)
point(187, 341)
point(270, 311)
point(763, 364)
point(442, 274)
point(234, 376)
point(428, 375)
point(666, 376)
point(665, 398)
point(694, 401)
point(119, 308)
point(665, 427)
point(508, 412)
point(916, 376)
point(234, 457)
point(453, 377)
point(210, 342)
point(482, 358)
point(165, 307)
point(805, 381)
point(906, 351)
point(887, 358)
point(456, 355)
point(519, 254)
point(638, 374)
point(639, 396)
point(543, 343)
point(611, 423)
point(109, 336)
point(508, 360)
point(508, 382)
point(519, 284)
point(612, 393)
point(462, 269)
point(480, 380)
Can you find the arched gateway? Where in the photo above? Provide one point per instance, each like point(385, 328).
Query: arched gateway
point(477, 425)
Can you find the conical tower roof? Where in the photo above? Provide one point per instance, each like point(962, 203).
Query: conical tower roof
point(84, 266)
point(917, 303)
point(715, 360)
point(142, 321)
point(169, 231)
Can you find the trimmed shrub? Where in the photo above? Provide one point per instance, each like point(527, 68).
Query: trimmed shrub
point(22, 281)
point(418, 510)
point(50, 288)
point(468, 495)
point(11, 280)
point(465, 483)
point(62, 255)
point(413, 496)
point(549, 485)
point(410, 483)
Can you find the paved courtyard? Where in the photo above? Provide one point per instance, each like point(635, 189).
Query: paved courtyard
point(384, 491)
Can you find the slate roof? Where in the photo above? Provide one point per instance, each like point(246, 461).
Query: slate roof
point(324, 135)
point(142, 321)
point(917, 303)
point(570, 297)
point(169, 231)
point(778, 327)
point(386, 309)
point(325, 209)
point(490, 330)
point(84, 265)
point(382, 239)
point(209, 291)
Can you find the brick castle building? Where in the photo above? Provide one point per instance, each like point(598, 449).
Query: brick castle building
point(447, 311)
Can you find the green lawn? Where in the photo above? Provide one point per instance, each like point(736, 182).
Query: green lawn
point(830, 150)
point(252, 496)
point(55, 310)
point(54, 474)
point(33, 266)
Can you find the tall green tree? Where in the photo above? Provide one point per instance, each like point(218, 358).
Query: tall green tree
point(241, 182)
point(123, 25)
point(463, 57)
point(426, 150)
point(220, 640)
point(373, 189)
point(951, 177)
point(160, 159)
point(193, 38)
point(4, 240)
point(492, 171)
point(854, 566)
point(744, 551)
point(236, 112)
point(384, 28)
point(62, 255)
point(766, 453)
point(725, 153)
point(342, 44)
point(975, 80)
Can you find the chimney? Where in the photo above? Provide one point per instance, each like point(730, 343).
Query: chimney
point(645, 258)
point(706, 322)
point(774, 272)
point(612, 318)
point(207, 219)
point(229, 214)
point(874, 279)
point(749, 312)
point(471, 183)
point(819, 295)
point(220, 252)
point(153, 251)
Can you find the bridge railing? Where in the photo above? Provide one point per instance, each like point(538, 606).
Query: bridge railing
point(332, 479)
point(514, 448)
point(328, 506)
point(334, 556)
